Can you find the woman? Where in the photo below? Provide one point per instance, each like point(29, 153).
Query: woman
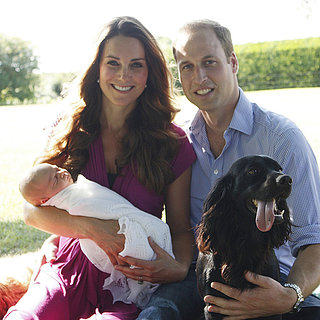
point(120, 135)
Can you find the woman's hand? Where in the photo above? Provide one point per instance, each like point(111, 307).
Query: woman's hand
point(48, 253)
point(163, 269)
point(105, 234)
point(268, 298)
point(49, 249)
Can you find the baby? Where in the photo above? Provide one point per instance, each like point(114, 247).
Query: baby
point(44, 181)
point(49, 185)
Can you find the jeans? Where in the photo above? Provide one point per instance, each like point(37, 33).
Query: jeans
point(310, 313)
point(175, 301)
point(181, 301)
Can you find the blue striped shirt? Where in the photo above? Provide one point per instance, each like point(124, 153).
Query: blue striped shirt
point(254, 130)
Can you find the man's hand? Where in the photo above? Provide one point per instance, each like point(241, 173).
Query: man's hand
point(268, 298)
point(163, 269)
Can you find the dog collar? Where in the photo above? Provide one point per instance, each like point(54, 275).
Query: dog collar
point(300, 299)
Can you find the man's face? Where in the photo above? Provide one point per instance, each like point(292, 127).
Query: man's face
point(207, 76)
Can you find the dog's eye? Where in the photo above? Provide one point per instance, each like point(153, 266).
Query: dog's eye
point(253, 171)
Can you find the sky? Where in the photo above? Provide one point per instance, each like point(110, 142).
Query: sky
point(63, 32)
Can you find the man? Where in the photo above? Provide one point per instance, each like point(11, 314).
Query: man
point(227, 127)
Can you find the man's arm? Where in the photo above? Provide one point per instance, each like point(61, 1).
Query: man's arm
point(305, 272)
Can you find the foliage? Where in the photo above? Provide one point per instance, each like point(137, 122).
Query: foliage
point(52, 86)
point(165, 44)
point(17, 71)
point(279, 64)
point(57, 88)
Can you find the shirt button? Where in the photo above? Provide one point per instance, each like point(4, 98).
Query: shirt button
point(216, 171)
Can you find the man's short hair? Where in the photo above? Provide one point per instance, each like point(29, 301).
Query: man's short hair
point(222, 33)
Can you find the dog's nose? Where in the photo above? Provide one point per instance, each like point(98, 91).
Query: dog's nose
point(284, 180)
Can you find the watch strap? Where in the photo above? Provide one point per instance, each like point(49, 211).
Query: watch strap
point(300, 298)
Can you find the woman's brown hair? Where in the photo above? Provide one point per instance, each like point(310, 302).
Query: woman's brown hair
point(150, 144)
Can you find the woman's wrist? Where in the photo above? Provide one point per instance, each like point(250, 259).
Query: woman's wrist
point(183, 270)
point(86, 227)
point(104, 233)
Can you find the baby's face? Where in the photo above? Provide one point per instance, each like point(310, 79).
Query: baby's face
point(57, 180)
point(49, 181)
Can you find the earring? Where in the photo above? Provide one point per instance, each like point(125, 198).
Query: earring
point(145, 86)
point(98, 81)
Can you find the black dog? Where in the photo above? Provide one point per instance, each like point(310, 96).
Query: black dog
point(237, 232)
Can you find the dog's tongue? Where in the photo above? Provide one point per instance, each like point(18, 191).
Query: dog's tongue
point(265, 215)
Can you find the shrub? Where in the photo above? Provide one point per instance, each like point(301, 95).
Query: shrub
point(279, 64)
point(18, 66)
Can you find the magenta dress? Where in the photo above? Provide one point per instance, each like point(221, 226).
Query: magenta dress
point(70, 288)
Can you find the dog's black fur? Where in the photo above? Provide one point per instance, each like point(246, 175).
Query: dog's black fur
point(229, 240)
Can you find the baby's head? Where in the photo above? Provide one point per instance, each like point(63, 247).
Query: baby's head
point(42, 182)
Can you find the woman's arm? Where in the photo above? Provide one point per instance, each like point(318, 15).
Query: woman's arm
point(60, 222)
point(56, 221)
point(166, 269)
point(178, 219)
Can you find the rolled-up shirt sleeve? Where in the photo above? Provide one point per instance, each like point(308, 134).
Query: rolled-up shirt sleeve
point(298, 160)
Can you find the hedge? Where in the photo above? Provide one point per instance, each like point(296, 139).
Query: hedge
point(279, 64)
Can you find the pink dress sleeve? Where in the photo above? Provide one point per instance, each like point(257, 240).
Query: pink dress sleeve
point(185, 156)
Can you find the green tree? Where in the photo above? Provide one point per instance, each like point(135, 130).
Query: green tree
point(165, 44)
point(17, 71)
point(57, 88)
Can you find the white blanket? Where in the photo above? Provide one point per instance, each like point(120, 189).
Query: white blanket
point(87, 198)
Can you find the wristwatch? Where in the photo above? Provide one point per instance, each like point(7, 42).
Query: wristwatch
point(300, 299)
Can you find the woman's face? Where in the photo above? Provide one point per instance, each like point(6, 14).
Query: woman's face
point(123, 72)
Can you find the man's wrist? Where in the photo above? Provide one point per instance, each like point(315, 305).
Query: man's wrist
point(300, 298)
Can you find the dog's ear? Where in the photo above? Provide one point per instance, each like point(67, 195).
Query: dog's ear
point(218, 193)
point(217, 198)
point(204, 231)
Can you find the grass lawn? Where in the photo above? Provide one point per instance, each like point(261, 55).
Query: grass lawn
point(22, 137)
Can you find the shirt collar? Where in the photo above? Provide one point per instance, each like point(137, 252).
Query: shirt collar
point(197, 132)
point(242, 119)
point(197, 123)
